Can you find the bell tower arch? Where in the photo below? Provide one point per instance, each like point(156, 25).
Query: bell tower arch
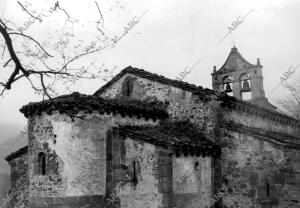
point(241, 79)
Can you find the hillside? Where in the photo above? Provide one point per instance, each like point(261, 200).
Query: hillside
point(8, 131)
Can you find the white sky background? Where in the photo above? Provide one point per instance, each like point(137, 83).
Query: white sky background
point(172, 35)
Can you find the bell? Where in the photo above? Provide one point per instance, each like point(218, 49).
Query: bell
point(246, 86)
point(228, 88)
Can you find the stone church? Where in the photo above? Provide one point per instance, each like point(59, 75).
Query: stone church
point(145, 141)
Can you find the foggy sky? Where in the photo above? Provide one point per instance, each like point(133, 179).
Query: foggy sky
point(173, 35)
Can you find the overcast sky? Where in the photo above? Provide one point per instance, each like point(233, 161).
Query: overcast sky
point(172, 35)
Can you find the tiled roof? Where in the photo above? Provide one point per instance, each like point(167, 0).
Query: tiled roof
point(180, 136)
point(150, 76)
point(76, 102)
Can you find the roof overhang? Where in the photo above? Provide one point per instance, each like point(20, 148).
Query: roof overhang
point(16, 154)
point(182, 137)
point(76, 102)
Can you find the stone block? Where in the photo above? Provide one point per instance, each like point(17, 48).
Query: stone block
point(84, 200)
point(253, 178)
point(164, 171)
point(165, 187)
point(251, 193)
point(38, 202)
point(97, 201)
point(72, 202)
point(279, 178)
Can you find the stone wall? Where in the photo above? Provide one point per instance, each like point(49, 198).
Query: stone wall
point(201, 110)
point(4, 186)
point(190, 188)
point(182, 104)
point(259, 174)
point(145, 175)
point(253, 120)
point(192, 181)
point(72, 156)
point(135, 173)
point(75, 158)
point(266, 168)
point(19, 181)
point(256, 172)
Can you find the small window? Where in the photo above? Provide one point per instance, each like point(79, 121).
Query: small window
point(128, 91)
point(134, 177)
point(133, 170)
point(196, 166)
point(127, 87)
point(42, 163)
point(268, 189)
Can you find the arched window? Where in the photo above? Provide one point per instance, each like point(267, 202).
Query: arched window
point(245, 77)
point(227, 79)
point(42, 163)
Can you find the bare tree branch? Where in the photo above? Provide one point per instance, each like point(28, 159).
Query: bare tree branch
point(7, 62)
point(28, 12)
point(3, 50)
point(291, 103)
point(15, 33)
point(101, 16)
point(39, 72)
point(18, 65)
point(58, 6)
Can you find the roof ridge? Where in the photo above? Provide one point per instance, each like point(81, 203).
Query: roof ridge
point(149, 75)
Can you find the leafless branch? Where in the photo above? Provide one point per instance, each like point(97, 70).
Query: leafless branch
point(82, 54)
point(7, 62)
point(3, 50)
point(15, 33)
point(18, 65)
point(38, 72)
point(291, 103)
point(28, 12)
point(101, 16)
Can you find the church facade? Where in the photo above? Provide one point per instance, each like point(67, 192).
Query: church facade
point(143, 140)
